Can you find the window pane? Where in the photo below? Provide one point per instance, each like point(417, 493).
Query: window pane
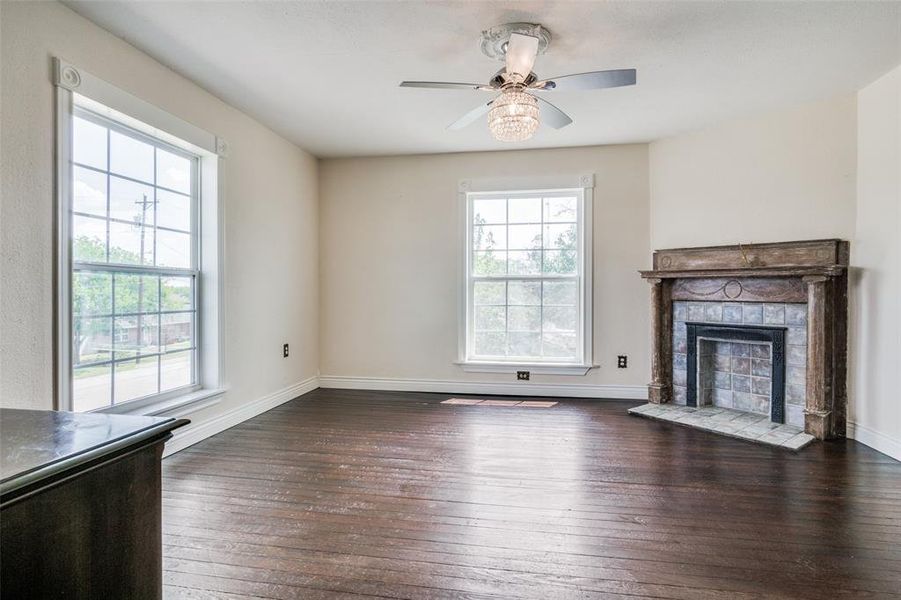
point(560, 318)
point(559, 345)
point(89, 192)
point(92, 387)
point(91, 340)
point(136, 293)
point(127, 243)
point(525, 292)
point(525, 210)
point(561, 262)
point(173, 249)
point(177, 331)
point(559, 209)
point(490, 318)
point(561, 237)
point(177, 293)
point(173, 210)
point(525, 345)
point(131, 157)
point(489, 343)
point(524, 237)
point(564, 293)
point(88, 143)
point(525, 263)
point(91, 294)
point(489, 263)
point(489, 237)
point(489, 211)
point(130, 201)
point(524, 318)
point(173, 171)
point(88, 239)
point(489, 292)
point(176, 370)
point(137, 335)
point(136, 379)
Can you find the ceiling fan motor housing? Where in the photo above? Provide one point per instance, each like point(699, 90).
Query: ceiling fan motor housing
point(494, 39)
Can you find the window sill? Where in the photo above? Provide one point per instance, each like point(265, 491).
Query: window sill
point(536, 368)
point(178, 406)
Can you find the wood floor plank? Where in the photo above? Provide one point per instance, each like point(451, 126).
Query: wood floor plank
point(360, 494)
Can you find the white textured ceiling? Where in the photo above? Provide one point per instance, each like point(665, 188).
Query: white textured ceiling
point(325, 74)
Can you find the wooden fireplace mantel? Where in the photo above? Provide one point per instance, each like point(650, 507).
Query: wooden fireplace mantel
point(813, 272)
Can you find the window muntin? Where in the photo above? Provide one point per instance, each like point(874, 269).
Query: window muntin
point(134, 277)
point(525, 277)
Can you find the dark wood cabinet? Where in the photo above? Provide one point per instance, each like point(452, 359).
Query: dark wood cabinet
point(80, 505)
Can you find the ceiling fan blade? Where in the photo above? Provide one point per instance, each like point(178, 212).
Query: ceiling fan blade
point(595, 80)
point(521, 53)
point(445, 85)
point(471, 116)
point(553, 116)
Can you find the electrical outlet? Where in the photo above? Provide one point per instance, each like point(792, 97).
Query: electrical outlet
point(622, 361)
point(522, 375)
point(285, 350)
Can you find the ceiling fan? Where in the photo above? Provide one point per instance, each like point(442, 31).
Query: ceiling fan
point(513, 115)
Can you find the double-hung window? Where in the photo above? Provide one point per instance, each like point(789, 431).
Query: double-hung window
point(138, 266)
point(134, 279)
point(526, 284)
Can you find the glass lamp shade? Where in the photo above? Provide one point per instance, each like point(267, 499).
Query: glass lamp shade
point(513, 116)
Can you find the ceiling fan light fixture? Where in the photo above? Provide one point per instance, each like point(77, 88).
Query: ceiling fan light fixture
point(513, 116)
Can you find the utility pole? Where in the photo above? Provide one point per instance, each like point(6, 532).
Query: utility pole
point(140, 332)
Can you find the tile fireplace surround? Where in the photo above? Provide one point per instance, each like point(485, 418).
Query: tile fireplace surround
point(763, 325)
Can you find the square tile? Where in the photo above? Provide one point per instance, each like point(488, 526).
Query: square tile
point(741, 400)
point(741, 349)
point(796, 356)
point(722, 398)
point(796, 336)
point(752, 313)
point(796, 375)
point(713, 312)
point(796, 314)
point(464, 401)
point(761, 385)
point(732, 313)
point(741, 365)
point(537, 404)
point(761, 368)
point(680, 360)
point(680, 377)
point(680, 311)
point(796, 394)
point(722, 381)
point(774, 314)
point(723, 348)
point(761, 351)
point(680, 394)
point(722, 362)
point(794, 415)
point(696, 311)
point(499, 403)
point(741, 383)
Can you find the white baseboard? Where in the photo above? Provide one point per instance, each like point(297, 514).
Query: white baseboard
point(182, 439)
point(875, 439)
point(563, 390)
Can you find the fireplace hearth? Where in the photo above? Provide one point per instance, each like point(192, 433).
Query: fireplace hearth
point(758, 329)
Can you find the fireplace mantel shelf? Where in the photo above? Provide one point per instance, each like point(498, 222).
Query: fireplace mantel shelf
point(823, 271)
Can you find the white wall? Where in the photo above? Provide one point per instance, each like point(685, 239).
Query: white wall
point(875, 350)
point(269, 200)
point(390, 247)
point(780, 176)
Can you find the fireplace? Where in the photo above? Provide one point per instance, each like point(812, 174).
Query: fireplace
point(736, 366)
point(756, 328)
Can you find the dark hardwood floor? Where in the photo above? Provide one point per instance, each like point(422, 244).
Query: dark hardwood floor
point(351, 494)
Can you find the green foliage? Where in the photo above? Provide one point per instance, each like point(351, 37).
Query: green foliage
point(92, 293)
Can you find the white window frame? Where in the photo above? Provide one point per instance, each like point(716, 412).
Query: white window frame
point(78, 88)
point(583, 186)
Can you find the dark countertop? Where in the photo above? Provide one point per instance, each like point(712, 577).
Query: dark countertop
point(38, 444)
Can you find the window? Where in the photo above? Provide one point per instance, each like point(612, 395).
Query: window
point(526, 286)
point(139, 273)
point(134, 264)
